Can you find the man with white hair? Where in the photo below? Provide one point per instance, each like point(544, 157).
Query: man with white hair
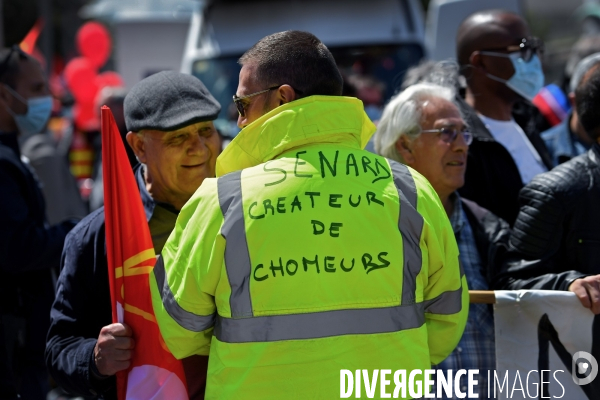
point(423, 128)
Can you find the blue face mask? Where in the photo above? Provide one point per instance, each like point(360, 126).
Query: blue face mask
point(528, 78)
point(37, 115)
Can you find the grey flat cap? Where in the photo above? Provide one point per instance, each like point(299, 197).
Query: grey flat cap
point(168, 101)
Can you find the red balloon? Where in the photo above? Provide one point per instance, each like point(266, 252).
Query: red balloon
point(93, 42)
point(109, 78)
point(80, 76)
point(85, 117)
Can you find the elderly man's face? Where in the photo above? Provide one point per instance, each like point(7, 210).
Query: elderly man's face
point(177, 162)
point(442, 163)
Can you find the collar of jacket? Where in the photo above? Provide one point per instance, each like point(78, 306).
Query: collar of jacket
point(147, 200)
point(314, 119)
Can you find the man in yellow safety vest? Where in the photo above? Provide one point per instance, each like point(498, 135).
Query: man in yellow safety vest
point(307, 255)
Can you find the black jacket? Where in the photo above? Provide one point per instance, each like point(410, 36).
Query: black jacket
point(492, 179)
point(29, 249)
point(556, 238)
point(82, 306)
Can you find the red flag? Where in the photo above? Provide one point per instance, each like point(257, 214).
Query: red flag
point(28, 43)
point(154, 372)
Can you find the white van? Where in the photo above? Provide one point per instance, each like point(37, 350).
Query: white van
point(376, 38)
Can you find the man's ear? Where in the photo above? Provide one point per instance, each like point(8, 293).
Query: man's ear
point(404, 148)
point(476, 61)
point(136, 142)
point(286, 94)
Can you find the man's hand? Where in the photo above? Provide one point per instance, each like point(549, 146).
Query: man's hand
point(588, 291)
point(113, 349)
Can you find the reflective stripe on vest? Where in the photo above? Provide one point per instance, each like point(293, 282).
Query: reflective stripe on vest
point(190, 321)
point(319, 324)
point(237, 255)
point(410, 223)
point(244, 327)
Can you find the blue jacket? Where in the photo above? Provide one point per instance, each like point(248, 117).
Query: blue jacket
point(82, 306)
point(562, 144)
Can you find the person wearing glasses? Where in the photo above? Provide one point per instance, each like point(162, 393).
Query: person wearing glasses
point(29, 247)
point(422, 127)
point(308, 255)
point(501, 63)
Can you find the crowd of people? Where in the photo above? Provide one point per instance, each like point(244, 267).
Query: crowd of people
point(294, 252)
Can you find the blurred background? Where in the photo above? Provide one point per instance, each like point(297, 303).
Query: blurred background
point(87, 46)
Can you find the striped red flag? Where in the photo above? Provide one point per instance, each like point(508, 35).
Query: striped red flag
point(154, 372)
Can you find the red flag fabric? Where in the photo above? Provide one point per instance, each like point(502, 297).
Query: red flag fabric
point(28, 43)
point(154, 372)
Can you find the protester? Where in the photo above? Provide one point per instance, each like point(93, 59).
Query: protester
point(554, 245)
point(29, 247)
point(422, 128)
point(501, 64)
point(297, 254)
point(569, 139)
point(169, 117)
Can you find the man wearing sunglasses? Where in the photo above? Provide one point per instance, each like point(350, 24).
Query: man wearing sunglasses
point(501, 63)
point(308, 255)
point(29, 248)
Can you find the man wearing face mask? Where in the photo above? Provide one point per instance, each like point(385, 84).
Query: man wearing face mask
point(29, 247)
point(501, 63)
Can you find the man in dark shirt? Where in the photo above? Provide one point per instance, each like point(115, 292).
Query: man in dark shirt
point(29, 247)
point(169, 118)
point(500, 61)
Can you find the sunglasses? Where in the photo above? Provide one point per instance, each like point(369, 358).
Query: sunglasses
point(239, 104)
point(526, 49)
point(241, 107)
point(448, 135)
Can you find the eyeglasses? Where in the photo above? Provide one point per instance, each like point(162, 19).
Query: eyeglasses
point(448, 135)
point(239, 104)
point(526, 49)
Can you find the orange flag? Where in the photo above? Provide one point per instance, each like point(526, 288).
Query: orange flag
point(154, 372)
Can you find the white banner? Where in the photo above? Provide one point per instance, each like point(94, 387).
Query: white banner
point(542, 338)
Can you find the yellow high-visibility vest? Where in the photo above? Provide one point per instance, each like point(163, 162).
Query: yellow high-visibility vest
point(308, 255)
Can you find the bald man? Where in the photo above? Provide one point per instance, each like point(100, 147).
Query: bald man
point(502, 67)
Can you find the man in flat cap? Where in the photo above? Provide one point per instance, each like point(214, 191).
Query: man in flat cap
point(169, 117)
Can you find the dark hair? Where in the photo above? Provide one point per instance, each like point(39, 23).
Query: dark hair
point(587, 102)
point(9, 64)
point(298, 59)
